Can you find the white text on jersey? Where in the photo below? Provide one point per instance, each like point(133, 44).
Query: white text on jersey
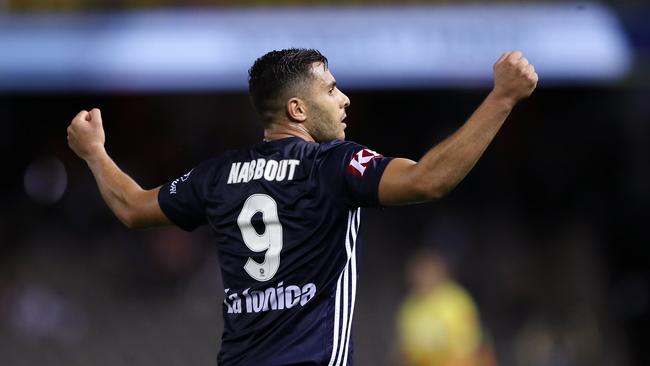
point(271, 170)
point(272, 298)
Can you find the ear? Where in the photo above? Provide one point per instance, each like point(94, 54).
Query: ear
point(296, 110)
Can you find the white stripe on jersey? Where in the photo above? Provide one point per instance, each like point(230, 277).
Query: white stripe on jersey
point(335, 342)
point(346, 291)
point(349, 274)
point(354, 284)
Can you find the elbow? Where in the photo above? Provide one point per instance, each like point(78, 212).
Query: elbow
point(435, 193)
point(434, 190)
point(439, 191)
point(131, 221)
point(431, 184)
point(127, 221)
point(134, 212)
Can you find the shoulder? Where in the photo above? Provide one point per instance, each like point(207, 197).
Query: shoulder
point(212, 167)
point(215, 162)
point(339, 145)
point(455, 296)
point(341, 149)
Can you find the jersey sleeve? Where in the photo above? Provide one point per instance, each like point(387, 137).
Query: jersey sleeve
point(360, 169)
point(183, 199)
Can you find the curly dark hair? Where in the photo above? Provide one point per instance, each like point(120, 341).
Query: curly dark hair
point(275, 74)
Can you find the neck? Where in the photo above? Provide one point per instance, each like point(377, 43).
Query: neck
point(284, 129)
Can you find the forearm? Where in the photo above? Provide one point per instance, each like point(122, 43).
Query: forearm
point(446, 164)
point(134, 206)
point(118, 190)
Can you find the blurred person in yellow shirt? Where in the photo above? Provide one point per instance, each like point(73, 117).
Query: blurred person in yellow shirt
point(438, 323)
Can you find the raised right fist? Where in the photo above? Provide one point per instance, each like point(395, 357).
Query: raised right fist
point(86, 133)
point(514, 77)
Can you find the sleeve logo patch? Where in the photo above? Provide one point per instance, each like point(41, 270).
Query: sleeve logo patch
point(186, 176)
point(360, 161)
point(172, 187)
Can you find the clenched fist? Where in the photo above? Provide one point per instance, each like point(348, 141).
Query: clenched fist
point(514, 77)
point(86, 134)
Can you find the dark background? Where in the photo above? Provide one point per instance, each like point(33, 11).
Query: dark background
point(548, 232)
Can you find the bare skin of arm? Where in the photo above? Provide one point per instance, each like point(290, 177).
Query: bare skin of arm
point(135, 207)
point(445, 165)
point(403, 182)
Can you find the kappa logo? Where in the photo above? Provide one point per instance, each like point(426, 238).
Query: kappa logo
point(360, 161)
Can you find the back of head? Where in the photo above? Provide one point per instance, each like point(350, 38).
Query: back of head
point(426, 270)
point(276, 75)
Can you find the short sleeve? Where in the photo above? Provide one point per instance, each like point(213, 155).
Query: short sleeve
point(361, 170)
point(183, 199)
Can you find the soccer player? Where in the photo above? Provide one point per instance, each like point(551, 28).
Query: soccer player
point(286, 211)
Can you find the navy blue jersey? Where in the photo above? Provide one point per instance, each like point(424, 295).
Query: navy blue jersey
point(285, 216)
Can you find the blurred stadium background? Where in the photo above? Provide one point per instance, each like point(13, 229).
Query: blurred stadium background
point(547, 232)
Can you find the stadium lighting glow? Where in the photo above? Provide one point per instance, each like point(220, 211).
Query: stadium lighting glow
point(368, 47)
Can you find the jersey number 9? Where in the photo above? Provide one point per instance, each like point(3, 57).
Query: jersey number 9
point(270, 240)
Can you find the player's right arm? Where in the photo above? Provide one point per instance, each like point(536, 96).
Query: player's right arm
point(446, 164)
point(134, 206)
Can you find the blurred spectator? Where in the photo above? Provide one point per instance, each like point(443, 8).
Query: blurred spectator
point(438, 322)
point(37, 312)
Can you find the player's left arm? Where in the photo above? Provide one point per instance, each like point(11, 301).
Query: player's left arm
point(134, 206)
point(446, 164)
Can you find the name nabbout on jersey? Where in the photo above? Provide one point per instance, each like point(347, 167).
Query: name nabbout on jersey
point(361, 160)
point(270, 170)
